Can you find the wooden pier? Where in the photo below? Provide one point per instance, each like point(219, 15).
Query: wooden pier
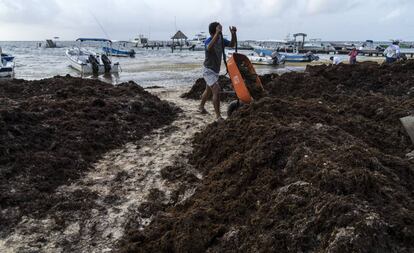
point(245, 46)
point(372, 53)
point(304, 51)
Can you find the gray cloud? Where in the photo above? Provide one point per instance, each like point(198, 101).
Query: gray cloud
point(28, 12)
point(257, 19)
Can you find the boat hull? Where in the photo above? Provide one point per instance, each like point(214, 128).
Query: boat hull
point(6, 65)
point(300, 58)
point(6, 72)
point(118, 53)
point(268, 61)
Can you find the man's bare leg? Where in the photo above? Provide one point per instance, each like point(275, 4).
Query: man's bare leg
point(216, 99)
point(206, 95)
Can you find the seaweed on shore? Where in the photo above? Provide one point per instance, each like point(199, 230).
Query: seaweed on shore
point(228, 93)
point(318, 165)
point(200, 85)
point(250, 80)
point(53, 130)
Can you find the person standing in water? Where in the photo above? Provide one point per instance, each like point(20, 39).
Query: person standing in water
point(212, 64)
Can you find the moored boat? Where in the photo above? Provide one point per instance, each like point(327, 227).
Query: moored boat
point(197, 43)
point(140, 42)
point(289, 57)
point(316, 45)
point(266, 60)
point(6, 65)
point(370, 46)
point(117, 52)
point(275, 59)
point(88, 62)
point(295, 57)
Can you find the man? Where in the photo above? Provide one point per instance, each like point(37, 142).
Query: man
point(335, 60)
point(212, 64)
point(392, 53)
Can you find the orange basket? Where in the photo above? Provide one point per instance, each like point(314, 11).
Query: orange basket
point(237, 80)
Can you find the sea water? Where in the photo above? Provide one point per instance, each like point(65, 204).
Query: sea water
point(149, 67)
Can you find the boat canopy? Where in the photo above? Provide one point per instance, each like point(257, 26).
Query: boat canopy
point(93, 39)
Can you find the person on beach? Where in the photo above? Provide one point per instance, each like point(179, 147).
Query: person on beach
point(393, 52)
point(353, 56)
point(335, 60)
point(212, 64)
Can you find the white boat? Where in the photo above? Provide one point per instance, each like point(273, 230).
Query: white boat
point(6, 65)
point(369, 45)
point(197, 43)
point(261, 60)
point(317, 45)
point(275, 59)
point(88, 62)
point(343, 46)
point(288, 57)
point(140, 41)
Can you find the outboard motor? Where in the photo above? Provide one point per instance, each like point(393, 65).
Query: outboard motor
point(107, 63)
point(314, 57)
point(95, 64)
point(278, 59)
point(132, 53)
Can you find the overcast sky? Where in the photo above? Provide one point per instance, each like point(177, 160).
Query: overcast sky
point(255, 19)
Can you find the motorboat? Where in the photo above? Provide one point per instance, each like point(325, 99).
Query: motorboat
point(288, 57)
point(267, 60)
point(272, 59)
point(275, 59)
point(112, 51)
point(89, 62)
point(197, 43)
point(296, 57)
point(369, 45)
point(141, 41)
point(317, 45)
point(343, 46)
point(6, 65)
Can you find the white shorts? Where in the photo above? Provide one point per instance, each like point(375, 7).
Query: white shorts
point(210, 76)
